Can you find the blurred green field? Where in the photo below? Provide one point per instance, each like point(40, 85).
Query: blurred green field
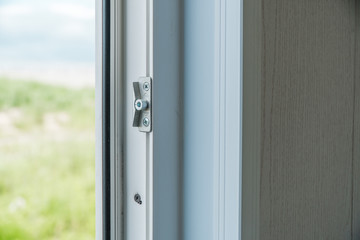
point(47, 161)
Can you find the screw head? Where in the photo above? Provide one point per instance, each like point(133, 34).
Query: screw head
point(137, 198)
point(140, 104)
point(146, 122)
point(146, 86)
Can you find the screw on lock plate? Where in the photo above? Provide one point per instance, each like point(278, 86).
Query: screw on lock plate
point(142, 104)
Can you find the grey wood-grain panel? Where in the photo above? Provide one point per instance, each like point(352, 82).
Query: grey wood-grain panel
point(252, 42)
point(307, 107)
point(356, 146)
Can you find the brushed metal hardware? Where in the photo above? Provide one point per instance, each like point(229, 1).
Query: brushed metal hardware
point(142, 104)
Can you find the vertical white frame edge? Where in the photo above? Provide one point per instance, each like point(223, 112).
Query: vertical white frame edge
point(167, 119)
point(232, 68)
point(228, 119)
point(136, 156)
point(98, 120)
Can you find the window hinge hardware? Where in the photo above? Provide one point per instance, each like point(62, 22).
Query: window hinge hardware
point(142, 104)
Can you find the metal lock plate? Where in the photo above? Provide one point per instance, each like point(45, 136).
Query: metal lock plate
point(142, 104)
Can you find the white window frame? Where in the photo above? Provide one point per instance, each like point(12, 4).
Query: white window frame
point(163, 24)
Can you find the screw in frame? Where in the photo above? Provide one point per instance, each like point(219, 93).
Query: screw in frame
point(137, 198)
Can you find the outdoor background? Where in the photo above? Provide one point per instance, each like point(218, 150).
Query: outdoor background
point(47, 186)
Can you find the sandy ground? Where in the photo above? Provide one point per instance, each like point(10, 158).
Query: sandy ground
point(73, 75)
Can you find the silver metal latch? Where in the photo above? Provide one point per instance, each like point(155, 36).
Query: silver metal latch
point(142, 104)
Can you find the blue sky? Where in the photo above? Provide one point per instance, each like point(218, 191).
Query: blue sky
point(47, 30)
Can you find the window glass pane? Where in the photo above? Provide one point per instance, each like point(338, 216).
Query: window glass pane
point(47, 57)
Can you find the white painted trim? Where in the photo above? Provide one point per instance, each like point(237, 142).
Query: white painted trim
point(228, 120)
point(233, 121)
point(136, 145)
point(149, 138)
point(98, 119)
point(167, 119)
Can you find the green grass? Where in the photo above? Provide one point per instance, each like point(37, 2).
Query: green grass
point(47, 188)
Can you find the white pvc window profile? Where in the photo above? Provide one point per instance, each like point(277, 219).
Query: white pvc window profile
point(137, 38)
